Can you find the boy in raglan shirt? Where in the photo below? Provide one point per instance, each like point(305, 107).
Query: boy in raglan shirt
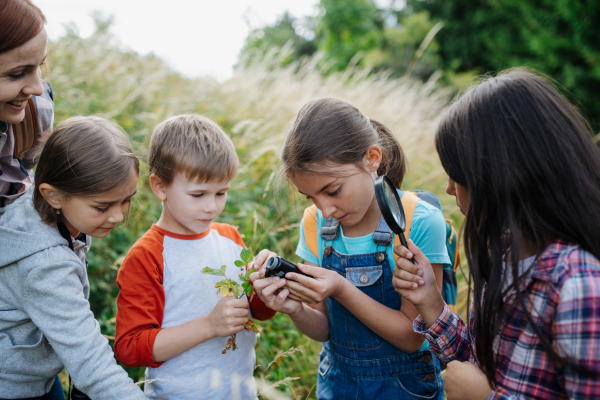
point(170, 317)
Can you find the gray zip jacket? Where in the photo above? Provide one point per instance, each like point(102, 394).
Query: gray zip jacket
point(45, 317)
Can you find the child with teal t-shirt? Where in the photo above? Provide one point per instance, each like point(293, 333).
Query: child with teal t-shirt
point(332, 154)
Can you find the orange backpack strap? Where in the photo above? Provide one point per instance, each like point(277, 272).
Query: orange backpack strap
point(409, 203)
point(310, 230)
point(27, 131)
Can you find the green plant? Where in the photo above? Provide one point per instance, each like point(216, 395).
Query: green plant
point(96, 75)
point(228, 287)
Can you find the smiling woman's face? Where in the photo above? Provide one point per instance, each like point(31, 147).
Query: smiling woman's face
point(20, 77)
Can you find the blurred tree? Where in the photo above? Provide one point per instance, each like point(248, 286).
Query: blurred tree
point(399, 47)
point(347, 28)
point(558, 37)
point(282, 32)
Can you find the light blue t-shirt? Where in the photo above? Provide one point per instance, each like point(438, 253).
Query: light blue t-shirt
point(427, 231)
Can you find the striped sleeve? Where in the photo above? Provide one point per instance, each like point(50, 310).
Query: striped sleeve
point(141, 301)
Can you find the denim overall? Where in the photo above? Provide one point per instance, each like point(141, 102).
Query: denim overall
point(356, 363)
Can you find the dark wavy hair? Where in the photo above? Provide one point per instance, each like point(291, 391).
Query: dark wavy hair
point(329, 130)
point(532, 170)
point(20, 21)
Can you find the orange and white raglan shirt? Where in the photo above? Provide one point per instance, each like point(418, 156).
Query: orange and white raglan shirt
point(162, 286)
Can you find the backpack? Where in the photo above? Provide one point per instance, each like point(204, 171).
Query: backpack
point(409, 203)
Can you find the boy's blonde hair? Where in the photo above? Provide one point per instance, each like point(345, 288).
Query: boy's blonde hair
point(194, 145)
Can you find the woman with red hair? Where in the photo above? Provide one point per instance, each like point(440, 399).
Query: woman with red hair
point(31, 358)
point(26, 105)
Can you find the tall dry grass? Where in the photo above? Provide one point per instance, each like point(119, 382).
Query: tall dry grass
point(96, 75)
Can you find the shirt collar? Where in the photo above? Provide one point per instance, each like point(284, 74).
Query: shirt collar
point(3, 127)
point(543, 267)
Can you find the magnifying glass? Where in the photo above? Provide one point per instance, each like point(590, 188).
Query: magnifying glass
point(391, 207)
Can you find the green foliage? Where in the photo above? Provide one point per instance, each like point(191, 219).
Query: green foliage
point(558, 37)
point(281, 33)
point(400, 45)
point(347, 28)
point(213, 271)
point(254, 107)
point(348, 32)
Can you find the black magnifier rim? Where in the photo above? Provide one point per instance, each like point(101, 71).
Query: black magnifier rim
point(380, 183)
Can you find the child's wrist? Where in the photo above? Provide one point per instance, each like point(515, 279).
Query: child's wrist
point(297, 313)
point(204, 323)
point(341, 287)
point(432, 309)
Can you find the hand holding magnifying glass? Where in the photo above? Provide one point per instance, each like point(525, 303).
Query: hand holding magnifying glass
point(391, 207)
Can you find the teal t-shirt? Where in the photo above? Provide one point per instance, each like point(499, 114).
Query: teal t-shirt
point(427, 231)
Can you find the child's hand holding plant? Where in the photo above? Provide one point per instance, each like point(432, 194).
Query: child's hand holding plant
point(228, 313)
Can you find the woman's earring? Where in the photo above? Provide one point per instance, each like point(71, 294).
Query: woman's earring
point(58, 211)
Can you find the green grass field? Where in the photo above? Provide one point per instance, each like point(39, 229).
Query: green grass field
point(96, 76)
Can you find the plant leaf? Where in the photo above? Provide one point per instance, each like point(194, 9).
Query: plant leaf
point(239, 263)
point(248, 289)
point(213, 271)
point(228, 287)
point(247, 255)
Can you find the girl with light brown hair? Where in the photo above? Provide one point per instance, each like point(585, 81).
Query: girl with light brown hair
point(84, 183)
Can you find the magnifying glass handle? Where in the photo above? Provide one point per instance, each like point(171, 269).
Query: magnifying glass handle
point(403, 243)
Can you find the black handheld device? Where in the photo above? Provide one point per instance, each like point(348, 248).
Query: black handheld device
point(278, 266)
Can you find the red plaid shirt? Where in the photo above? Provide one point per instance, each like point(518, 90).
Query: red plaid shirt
point(562, 293)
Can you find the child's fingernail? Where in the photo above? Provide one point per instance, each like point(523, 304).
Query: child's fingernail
point(421, 282)
point(288, 275)
point(282, 282)
point(409, 255)
point(420, 273)
point(414, 286)
point(275, 278)
point(301, 266)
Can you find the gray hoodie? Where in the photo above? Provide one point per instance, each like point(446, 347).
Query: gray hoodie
point(45, 317)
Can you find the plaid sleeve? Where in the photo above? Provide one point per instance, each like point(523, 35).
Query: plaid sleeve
point(503, 394)
point(448, 337)
point(577, 331)
point(45, 111)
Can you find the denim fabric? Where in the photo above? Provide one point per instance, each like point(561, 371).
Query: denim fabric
point(356, 363)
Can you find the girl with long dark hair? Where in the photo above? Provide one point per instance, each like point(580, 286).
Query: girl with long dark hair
point(526, 173)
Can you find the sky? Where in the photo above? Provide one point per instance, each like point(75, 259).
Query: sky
point(195, 37)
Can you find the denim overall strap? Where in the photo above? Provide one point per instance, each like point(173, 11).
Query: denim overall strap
point(383, 235)
point(329, 231)
point(356, 363)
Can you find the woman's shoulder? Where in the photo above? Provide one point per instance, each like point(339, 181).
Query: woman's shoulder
point(563, 261)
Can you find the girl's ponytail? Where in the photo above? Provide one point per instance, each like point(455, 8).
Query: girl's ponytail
point(329, 130)
point(393, 163)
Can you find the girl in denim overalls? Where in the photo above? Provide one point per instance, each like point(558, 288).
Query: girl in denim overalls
point(332, 154)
